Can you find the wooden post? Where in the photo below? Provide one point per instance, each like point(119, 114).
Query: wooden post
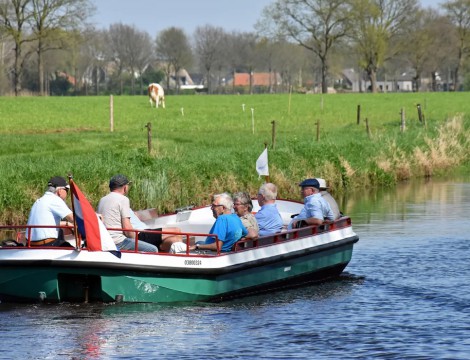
point(149, 136)
point(290, 95)
point(420, 114)
point(111, 113)
point(367, 128)
point(358, 114)
point(402, 116)
point(273, 134)
point(318, 129)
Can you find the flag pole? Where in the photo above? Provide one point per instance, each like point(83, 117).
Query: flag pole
point(75, 232)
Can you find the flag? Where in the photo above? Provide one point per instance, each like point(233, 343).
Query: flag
point(89, 225)
point(262, 163)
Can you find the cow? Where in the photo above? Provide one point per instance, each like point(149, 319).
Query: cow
point(156, 95)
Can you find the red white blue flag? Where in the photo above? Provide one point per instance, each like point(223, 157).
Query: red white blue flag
point(89, 225)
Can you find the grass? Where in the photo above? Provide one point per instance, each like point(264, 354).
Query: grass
point(205, 144)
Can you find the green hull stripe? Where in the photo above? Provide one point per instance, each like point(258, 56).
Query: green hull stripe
point(77, 284)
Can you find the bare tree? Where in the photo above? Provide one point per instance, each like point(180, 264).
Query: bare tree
point(131, 50)
point(6, 55)
point(458, 12)
point(173, 48)
point(241, 54)
point(377, 25)
point(427, 41)
point(49, 19)
point(209, 50)
point(93, 57)
point(14, 15)
point(143, 54)
point(316, 25)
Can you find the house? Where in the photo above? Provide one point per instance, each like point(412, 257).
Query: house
point(355, 81)
point(259, 79)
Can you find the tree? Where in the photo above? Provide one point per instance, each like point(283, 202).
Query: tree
point(49, 19)
point(172, 47)
point(316, 25)
point(458, 12)
point(241, 54)
point(427, 42)
point(131, 50)
point(209, 41)
point(14, 15)
point(377, 24)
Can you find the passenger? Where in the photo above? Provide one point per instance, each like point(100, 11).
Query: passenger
point(316, 209)
point(162, 241)
point(228, 226)
point(330, 199)
point(116, 213)
point(50, 209)
point(268, 217)
point(243, 206)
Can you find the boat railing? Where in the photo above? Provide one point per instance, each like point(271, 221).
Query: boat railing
point(293, 234)
point(187, 237)
point(21, 234)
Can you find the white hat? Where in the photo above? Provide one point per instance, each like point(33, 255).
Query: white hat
point(322, 183)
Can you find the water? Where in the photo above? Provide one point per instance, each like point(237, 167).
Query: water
point(405, 295)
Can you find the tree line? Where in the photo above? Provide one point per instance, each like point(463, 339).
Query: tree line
point(50, 47)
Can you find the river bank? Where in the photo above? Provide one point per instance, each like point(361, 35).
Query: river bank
point(201, 145)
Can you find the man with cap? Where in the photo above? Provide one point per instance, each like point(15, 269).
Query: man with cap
point(116, 213)
point(316, 209)
point(50, 209)
point(330, 199)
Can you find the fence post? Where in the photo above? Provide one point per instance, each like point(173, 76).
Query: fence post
point(367, 128)
point(420, 114)
point(149, 136)
point(111, 113)
point(358, 114)
point(274, 134)
point(402, 117)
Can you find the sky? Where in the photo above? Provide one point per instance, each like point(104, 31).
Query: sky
point(154, 16)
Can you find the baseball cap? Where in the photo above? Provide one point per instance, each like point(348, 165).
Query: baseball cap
point(310, 182)
point(117, 181)
point(58, 181)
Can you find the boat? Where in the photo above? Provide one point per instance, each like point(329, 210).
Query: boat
point(77, 274)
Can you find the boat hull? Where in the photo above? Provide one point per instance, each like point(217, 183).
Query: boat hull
point(56, 281)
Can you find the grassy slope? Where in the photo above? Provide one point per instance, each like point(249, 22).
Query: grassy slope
point(212, 148)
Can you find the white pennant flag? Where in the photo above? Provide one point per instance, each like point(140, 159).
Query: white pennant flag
point(262, 163)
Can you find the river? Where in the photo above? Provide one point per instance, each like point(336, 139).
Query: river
point(405, 295)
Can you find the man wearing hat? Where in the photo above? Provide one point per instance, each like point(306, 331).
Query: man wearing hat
point(116, 212)
point(330, 199)
point(50, 209)
point(316, 209)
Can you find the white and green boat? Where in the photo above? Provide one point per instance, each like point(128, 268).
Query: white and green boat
point(291, 258)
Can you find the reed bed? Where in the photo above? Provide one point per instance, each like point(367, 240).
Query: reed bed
point(208, 144)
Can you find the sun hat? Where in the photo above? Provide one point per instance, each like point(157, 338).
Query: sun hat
point(322, 183)
point(58, 181)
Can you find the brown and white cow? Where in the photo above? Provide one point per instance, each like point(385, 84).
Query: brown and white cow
point(156, 95)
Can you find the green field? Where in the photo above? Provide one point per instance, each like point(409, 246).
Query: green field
point(205, 144)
